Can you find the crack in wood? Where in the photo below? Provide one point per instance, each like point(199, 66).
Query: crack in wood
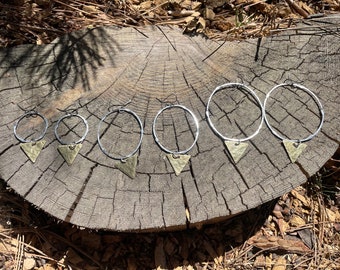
point(214, 51)
point(3, 151)
point(167, 38)
point(79, 195)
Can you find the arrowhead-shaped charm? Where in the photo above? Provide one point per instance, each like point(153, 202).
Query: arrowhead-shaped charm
point(33, 149)
point(69, 151)
point(178, 162)
point(236, 149)
point(294, 149)
point(129, 166)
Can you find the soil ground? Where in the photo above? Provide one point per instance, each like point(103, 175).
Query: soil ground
point(300, 230)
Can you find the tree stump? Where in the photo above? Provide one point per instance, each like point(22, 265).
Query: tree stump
point(95, 70)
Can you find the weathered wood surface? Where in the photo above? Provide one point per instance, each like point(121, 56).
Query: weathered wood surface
point(93, 69)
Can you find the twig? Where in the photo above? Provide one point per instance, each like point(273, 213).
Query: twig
point(20, 251)
point(56, 236)
point(298, 9)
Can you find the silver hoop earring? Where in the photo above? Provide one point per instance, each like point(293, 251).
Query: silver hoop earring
point(70, 150)
point(128, 163)
point(294, 147)
point(235, 147)
point(32, 147)
point(177, 159)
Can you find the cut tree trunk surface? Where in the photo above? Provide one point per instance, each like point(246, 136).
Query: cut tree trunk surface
point(101, 69)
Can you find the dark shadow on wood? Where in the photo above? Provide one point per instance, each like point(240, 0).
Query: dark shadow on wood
point(69, 59)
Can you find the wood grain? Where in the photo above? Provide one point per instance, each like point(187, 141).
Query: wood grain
point(93, 70)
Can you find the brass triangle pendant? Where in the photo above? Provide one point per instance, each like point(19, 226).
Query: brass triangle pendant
point(69, 151)
point(236, 149)
point(178, 162)
point(294, 149)
point(33, 149)
point(129, 166)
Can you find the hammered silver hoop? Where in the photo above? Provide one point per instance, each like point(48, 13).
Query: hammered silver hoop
point(66, 117)
point(238, 86)
point(102, 148)
point(155, 133)
point(27, 114)
point(316, 100)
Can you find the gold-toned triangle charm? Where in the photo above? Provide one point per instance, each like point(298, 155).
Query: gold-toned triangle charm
point(236, 149)
point(33, 149)
point(69, 151)
point(294, 149)
point(128, 166)
point(178, 162)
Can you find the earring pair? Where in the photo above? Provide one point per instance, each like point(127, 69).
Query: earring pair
point(127, 163)
point(32, 147)
point(237, 147)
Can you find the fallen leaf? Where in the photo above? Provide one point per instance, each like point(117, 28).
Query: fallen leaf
point(294, 246)
point(297, 221)
point(306, 237)
point(276, 243)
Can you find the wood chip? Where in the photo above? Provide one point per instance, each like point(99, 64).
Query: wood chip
point(29, 263)
point(297, 221)
point(300, 197)
point(283, 226)
point(331, 215)
point(268, 262)
point(209, 14)
point(260, 261)
point(280, 264)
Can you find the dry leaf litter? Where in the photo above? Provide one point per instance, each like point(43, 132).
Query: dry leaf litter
point(41, 21)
